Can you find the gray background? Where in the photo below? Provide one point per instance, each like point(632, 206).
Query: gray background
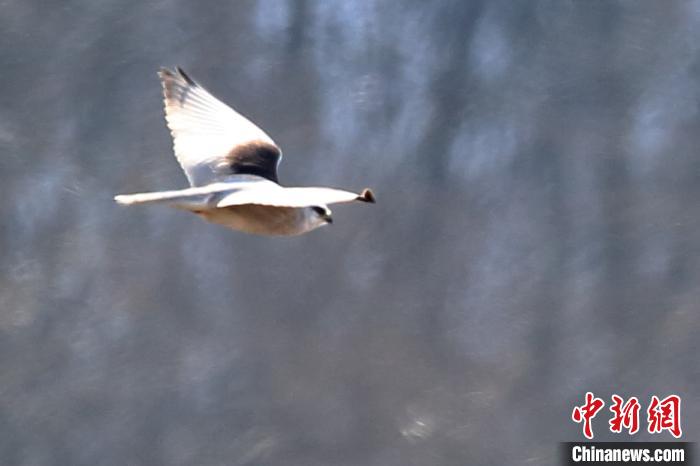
point(537, 232)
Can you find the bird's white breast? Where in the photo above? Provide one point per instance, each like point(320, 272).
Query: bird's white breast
point(263, 220)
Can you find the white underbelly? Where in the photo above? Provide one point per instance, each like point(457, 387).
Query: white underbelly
point(261, 220)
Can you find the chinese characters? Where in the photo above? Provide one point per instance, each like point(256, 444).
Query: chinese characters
point(662, 414)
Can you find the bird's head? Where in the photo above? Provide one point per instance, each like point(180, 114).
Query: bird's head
point(322, 214)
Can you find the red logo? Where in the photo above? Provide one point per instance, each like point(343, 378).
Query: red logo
point(661, 414)
point(626, 415)
point(665, 415)
point(587, 412)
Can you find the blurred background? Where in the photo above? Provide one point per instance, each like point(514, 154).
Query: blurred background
point(537, 232)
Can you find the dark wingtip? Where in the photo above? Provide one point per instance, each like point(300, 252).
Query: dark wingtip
point(163, 71)
point(185, 76)
point(367, 196)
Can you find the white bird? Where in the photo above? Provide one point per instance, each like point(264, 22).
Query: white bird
point(231, 165)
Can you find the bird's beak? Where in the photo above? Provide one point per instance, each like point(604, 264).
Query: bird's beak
point(327, 218)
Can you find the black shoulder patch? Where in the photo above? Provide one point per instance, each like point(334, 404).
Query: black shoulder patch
point(254, 158)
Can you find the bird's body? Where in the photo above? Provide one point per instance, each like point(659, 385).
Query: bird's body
point(232, 168)
point(264, 220)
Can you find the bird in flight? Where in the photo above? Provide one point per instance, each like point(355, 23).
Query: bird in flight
point(231, 165)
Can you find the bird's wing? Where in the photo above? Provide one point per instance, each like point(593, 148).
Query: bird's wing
point(274, 195)
point(212, 140)
point(196, 198)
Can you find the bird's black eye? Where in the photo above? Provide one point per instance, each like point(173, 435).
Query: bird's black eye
point(319, 210)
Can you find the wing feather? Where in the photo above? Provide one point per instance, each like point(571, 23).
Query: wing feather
point(211, 140)
point(275, 195)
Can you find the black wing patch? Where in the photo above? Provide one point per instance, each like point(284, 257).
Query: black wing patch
point(254, 158)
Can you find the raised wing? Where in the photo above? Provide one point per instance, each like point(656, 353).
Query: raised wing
point(275, 195)
point(212, 140)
